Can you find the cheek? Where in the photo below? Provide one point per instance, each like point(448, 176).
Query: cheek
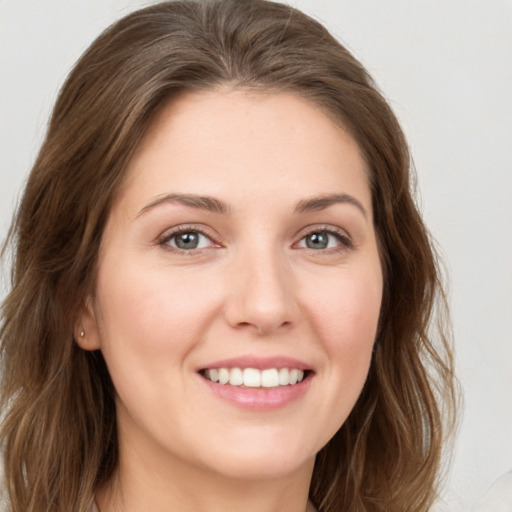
point(349, 305)
point(345, 314)
point(148, 325)
point(153, 311)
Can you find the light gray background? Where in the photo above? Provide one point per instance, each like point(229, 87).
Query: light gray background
point(446, 68)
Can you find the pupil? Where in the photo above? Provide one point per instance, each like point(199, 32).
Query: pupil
point(317, 241)
point(187, 240)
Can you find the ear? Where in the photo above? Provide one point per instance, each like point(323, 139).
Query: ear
point(86, 330)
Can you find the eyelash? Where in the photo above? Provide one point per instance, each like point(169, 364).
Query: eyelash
point(342, 237)
point(167, 237)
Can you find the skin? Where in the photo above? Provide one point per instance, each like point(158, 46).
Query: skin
point(253, 288)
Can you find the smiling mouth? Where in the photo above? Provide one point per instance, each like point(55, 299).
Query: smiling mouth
point(254, 378)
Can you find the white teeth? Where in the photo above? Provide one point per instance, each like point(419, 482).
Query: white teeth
point(223, 375)
point(236, 377)
point(269, 378)
point(253, 378)
point(284, 376)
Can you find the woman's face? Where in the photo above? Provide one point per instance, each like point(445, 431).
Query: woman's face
point(241, 247)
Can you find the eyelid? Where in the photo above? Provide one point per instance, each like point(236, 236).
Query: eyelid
point(345, 240)
point(167, 235)
point(343, 236)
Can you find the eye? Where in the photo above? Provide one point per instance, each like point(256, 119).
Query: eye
point(323, 239)
point(187, 240)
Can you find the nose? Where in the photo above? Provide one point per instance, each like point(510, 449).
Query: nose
point(261, 294)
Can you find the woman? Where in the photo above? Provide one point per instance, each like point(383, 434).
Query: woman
point(222, 293)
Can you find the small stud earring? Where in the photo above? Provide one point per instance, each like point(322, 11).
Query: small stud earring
point(82, 334)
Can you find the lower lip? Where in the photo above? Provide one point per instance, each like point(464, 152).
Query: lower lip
point(259, 399)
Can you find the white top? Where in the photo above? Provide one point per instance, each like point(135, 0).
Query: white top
point(498, 498)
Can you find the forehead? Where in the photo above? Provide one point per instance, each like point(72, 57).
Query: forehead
point(240, 139)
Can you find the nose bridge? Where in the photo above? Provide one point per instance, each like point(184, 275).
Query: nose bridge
point(263, 295)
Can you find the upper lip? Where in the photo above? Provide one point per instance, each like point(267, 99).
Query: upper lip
point(259, 363)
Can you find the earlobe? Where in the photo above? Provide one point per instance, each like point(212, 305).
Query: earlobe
point(86, 330)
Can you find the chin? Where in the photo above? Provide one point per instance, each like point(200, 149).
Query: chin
point(263, 468)
point(262, 459)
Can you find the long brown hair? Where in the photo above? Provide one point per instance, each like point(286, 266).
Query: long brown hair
point(59, 427)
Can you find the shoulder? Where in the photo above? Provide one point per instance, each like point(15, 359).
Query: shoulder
point(498, 498)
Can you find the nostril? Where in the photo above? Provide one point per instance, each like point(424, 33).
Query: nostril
point(264, 327)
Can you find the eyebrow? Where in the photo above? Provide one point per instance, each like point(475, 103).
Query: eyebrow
point(214, 205)
point(192, 200)
point(324, 201)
